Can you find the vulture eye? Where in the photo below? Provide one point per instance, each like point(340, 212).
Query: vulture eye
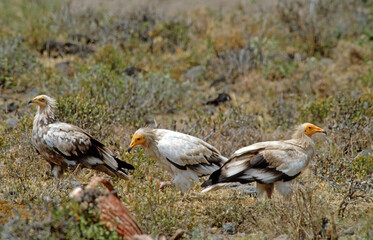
point(138, 139)
point(309, 127)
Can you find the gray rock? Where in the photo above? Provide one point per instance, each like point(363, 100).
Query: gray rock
point(282, 237)
point(229, 228)
point(64, 67)
point(11, 107)
point(76, 183)
point(194, 73)
point(364, 153)
point(297, 57)
point(47, 198)
point(34, 92)
point(245, 189)
point(11, 123)
point(326, 61)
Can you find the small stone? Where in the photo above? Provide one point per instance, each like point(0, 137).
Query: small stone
point(222, 97)
point(194, 73)
point(47, 198)
point(34, 92)
point(132, 70)
point(218, 81)
point(364, 153)
point(11, 123)
point(282, 237)
point(11, 107)
point(229, 228)
point(64, 67)
point(76, 183)
point(245, 189)
point(326, 61)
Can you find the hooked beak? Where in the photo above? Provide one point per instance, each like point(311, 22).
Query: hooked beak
point(29, 102)
point(320, 130)
point(129, 149)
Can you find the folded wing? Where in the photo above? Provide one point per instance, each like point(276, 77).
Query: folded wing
point(190, 153)
point(77, 146)
point(265, 162)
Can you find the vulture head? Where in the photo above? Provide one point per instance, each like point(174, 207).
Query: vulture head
point(310, 129)
point(143, 137)
point(43, 101)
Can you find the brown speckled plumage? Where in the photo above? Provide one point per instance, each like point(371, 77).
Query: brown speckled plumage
point(63, 144)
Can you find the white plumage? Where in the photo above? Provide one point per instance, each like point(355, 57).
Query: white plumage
point(269, 164)
point(63, 144)
point(185, 157)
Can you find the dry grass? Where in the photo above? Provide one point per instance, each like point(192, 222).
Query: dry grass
point(273, 87)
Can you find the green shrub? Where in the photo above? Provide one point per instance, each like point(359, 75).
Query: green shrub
point(132, 99)
point(276, 70)
point(15, 60)
point(318, 25)
point(362, 166)
point(82, 111)
point(317, 111)
point(367, 79)
point(174, 33)
point(68, 221)
point(349, 120)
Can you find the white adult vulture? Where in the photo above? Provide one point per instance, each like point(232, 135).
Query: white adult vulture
point(269, 164)
point(185, 157)
point(64, 145)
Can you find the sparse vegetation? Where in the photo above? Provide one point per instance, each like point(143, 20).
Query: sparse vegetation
point(16, 60)
point(282, 64)
point(72, 221)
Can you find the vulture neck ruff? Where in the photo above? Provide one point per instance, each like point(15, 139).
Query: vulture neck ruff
point(150, 136)
point(45, 115)
point(300, 139)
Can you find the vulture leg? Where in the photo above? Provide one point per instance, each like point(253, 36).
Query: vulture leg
point(261, 189)
point(57, 173)
point(164, 184)
point(77, 169)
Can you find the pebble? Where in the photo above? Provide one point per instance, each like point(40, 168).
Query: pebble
point(282, 237)
point(11, 123)
point(194, 73)
point(11, 107)
point(364, 153)
point(229, 228)
point(245, 189)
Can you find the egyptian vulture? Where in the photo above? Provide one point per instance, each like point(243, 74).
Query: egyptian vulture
point(64, 145)
point(269, 164)
point(185, 157)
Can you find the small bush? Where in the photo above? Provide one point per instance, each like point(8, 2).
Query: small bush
point(349, 122)
point(318, 110)
point(171, 35)
point(15, 60)
point(86, 113)
point(318, 25)
point(232, 63)
point(362, 166)
point(129, 98)
point(69, 221)
point(277, 70)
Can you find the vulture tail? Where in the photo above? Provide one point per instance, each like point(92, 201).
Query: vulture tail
point(121, 169)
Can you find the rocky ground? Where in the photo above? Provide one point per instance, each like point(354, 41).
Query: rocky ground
point(230, 72)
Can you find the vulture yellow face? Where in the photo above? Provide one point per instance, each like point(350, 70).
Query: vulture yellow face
point(311, 129)
point(137, 139)
point(39, 100)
